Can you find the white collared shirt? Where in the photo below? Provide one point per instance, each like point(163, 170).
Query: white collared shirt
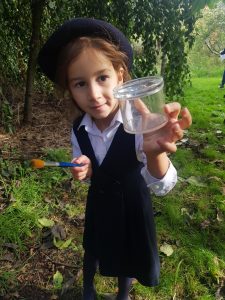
point(101, 142)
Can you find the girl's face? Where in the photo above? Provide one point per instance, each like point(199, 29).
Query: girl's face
point(91, 80)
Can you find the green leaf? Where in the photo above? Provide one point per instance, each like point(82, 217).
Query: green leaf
point(46, 222)
point(62, 244)
point(71, 210)
point(51, 4)
point(57, 280)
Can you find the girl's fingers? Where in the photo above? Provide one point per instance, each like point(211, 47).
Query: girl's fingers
point(83, 171)
point(167, 136)
point(186, 120)
point(141, 107)
point(177, 132)
point(172, 109)
point(83, 160)
point(79, 174)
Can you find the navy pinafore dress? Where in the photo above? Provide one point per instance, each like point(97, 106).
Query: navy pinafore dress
point(119, 223)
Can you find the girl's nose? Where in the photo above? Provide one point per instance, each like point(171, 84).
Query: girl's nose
point(94, 91)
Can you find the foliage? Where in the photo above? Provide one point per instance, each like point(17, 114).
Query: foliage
point(212, 26)
point(162, 32)
point(6, 113)
point(161, 28)
point(200, 4)
point(14, 40)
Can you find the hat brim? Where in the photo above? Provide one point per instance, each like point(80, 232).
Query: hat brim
point(74, 28)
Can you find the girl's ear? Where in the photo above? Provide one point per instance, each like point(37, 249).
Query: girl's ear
point(120, 74)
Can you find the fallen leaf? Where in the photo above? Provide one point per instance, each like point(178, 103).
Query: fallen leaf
point(57, 280)
point(197, 181)
point(166, 249)
point(182, 142)
point(219, 131)
point(215, 178)
point(79, 274)
point(217, 162)
point(47, 200)
point(46, 222)
point(62, 244)
point(12, 198)
point(71, 210)
point(219, 216)
point(181, 179)
point(184, 211)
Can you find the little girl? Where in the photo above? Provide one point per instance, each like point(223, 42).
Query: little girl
point(89, 58)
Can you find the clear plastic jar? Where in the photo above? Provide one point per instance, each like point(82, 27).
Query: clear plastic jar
point(142, 104)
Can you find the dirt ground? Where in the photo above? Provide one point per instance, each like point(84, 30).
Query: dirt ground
point(50, 128)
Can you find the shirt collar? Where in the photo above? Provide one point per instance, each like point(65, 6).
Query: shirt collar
point(87, 121)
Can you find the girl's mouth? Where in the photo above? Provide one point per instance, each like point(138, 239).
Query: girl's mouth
point(97, 107)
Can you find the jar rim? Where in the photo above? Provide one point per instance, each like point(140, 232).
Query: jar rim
point(138, 87)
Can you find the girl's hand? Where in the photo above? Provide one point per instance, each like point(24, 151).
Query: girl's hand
point(84, 172)
point(164, 139)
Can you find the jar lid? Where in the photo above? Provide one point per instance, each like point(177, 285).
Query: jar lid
point(138, 88)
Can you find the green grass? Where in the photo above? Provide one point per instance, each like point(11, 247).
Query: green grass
point(190, 218)
point(189, 214)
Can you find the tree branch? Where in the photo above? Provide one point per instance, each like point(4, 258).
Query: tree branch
point(210, 47)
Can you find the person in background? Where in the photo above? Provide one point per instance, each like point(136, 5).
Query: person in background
point(89, 58)
point(222, 57)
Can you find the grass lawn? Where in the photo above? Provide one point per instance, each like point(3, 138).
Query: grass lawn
point(190, 220)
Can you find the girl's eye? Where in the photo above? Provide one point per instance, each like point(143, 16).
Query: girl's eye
point(79, 84)
point(103, 77)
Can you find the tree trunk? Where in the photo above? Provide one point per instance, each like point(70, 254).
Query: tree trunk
point(37, 7)
point(163, 64)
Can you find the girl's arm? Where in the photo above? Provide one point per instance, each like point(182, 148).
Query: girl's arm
point(158, 165)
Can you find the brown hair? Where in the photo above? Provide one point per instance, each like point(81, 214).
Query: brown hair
point(73, 49)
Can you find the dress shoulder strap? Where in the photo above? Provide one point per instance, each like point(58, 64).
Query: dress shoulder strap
point(84, 142)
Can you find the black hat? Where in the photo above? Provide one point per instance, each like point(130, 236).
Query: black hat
point(48, 55)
